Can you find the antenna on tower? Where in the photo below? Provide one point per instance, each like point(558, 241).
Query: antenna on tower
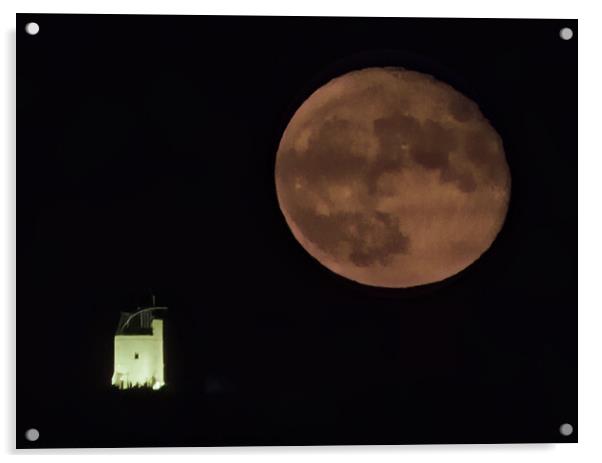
point(152, 295)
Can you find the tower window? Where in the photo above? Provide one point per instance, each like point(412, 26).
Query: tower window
point(136, 355)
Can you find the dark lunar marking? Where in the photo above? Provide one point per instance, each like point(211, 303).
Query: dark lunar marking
point(431, 159)
point(382, 165)
point(394, 131)
point(481, 152)
point(461, 108)
point(325, 112)
point(463, 180)
point(393, 134)
point(436, 142)
point(389, 242)
point(432, 150)
point(328, 157)
point(372, 237)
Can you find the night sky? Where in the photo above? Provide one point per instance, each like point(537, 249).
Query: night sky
point(146, 149)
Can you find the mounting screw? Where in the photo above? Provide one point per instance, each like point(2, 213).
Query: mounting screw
point(32, 28)
point(32, 435)
point(566, 33)
point(566, 429)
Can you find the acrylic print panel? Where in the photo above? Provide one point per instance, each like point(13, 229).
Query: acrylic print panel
point(295, 231)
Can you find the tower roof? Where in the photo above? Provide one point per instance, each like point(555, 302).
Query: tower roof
point(139, 322)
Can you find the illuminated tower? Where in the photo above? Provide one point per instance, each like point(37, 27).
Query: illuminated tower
point(139, 350)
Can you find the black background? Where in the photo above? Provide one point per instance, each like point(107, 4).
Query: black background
point(146, 152)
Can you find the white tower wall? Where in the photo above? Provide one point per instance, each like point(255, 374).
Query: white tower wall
point(139, 359)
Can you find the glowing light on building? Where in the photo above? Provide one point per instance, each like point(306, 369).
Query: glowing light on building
point(139, 350)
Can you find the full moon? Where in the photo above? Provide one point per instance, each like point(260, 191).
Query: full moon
point(392, 178)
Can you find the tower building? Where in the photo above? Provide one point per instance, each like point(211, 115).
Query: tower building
point(139, 358)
